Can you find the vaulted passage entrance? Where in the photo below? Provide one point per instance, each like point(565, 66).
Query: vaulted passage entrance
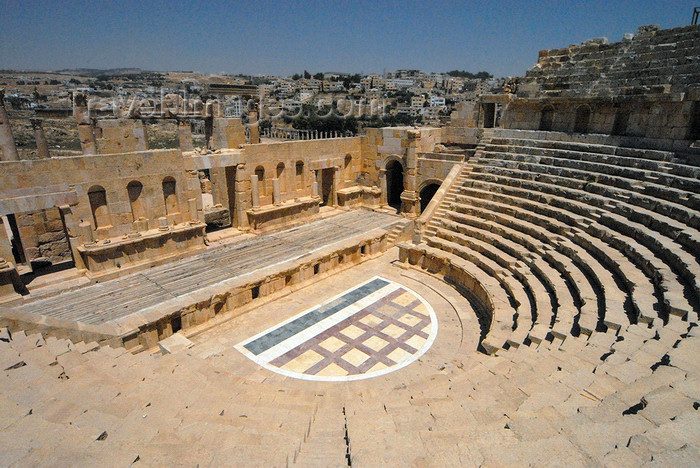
point(394, 184)
point(427, 194)
point(326, 186)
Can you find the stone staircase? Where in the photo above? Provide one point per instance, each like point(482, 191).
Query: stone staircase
point(441, 211)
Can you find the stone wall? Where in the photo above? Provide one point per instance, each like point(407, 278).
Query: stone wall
point(383, 144)
point(120, 136)
point(645, 88)
point(664, 116)
point(43, 236)
point(108, 209)
point(343, 153)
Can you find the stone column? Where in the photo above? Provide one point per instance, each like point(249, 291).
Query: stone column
point(76, 233)
point(243, 197)
point(254, 127)
point(7, 141)
point(276, 193)
point(41, 145)
point(382, 185)
point(86, 133)
point(254, 191)
point(184, 133)
point(334, 187)
point(192, 208)
point(208, 131)
point(410, 201)
point(9, 278)
point(5, 244)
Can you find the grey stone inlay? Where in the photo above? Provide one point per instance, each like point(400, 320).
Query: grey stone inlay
point(312, 317)
point(100, 303)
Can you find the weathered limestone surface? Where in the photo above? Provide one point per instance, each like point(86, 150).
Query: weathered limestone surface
point(107, 301)
point(529, 405)
point(560, 254)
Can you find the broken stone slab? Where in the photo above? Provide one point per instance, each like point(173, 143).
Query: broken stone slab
point(174, 343)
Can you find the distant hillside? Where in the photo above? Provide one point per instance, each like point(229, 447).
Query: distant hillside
point(98, 72)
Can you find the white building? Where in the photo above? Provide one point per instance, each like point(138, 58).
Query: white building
point(233, 108)
point(437, 101)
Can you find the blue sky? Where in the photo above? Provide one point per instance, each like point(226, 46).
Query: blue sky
point(264, 37)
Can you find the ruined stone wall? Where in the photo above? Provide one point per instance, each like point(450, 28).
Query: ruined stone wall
point(647, 87)
point(120, 136)
point(433, 168)
point(227, 133)
point(113, 173)
point(384, 144)
point(314, 154)
point(43, 236)
point(652, 61)
point(662, 117)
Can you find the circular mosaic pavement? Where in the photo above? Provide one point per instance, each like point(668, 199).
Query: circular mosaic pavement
point(372, 329)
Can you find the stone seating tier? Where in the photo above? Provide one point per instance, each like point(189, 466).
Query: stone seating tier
point(598, 237)
point(652, 62)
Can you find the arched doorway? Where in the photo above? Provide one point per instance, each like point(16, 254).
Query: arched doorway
point(547, 119)
point(426, 194)
point(583, 117)
point(394, 184)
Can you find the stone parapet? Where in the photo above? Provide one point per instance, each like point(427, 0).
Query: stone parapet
point(275, 216)
point(114, 257)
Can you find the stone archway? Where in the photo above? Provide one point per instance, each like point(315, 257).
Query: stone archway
point(427, 193)
point(394, 184)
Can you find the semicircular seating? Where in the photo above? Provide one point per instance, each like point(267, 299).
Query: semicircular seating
point(583, 237)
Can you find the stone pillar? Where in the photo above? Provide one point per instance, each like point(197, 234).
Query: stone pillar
point(314, 189)
point(86, 133)
point(276, 193)
point(184, 133)
point(76, 233)
point(208, 131)
point(243, 197)
point(87, 236)
point(334, 188)
point(254, 191)
point(41, 145)
point(254, 127)
point(383, 187)
point(7, 141)
point(8, 279)
point(5, 244)
point(192, 208)
point(410, 201)
point(163, 224)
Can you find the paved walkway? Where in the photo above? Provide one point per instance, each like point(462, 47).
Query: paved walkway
point(102, 302)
